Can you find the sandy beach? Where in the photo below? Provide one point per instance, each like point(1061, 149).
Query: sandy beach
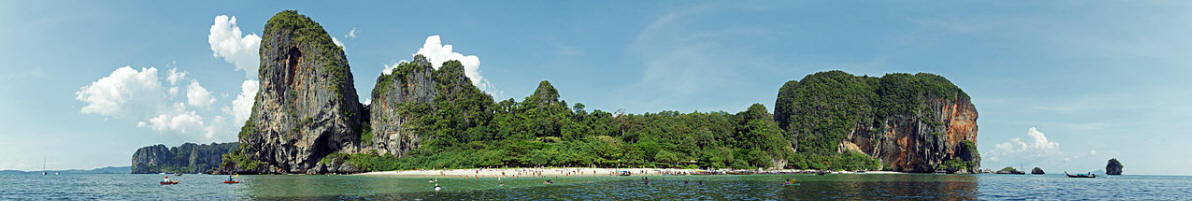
point(557, 172)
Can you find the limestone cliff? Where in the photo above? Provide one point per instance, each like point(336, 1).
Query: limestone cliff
point(409, 83)
point(188, 158)
point(415, 90)
point(307, 106)
point(912, 123)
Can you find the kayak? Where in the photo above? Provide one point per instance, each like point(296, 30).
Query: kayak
point(231, 182)
point(168, 183)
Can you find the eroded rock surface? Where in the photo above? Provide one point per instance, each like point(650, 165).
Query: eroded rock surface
point(307, 106)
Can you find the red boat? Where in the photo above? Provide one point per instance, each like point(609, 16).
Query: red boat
point(168, 183)
point(231, 182)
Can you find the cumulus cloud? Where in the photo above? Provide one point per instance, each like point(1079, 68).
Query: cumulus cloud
point(227, 42)
point(173, 76)
point(178, 120)
point(140, 96)
point(198, 96)
point(435, 51)
point(242, 106)
point(1038, 146)
point(125, 93)
point(389, 67)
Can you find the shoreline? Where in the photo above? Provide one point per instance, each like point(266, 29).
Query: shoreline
point(557, 172)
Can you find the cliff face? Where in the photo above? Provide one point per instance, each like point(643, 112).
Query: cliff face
point(917, 142)
point(409, 83)
point(912, 123)
point(188, 158)
point(307, 106)
point(414, 91)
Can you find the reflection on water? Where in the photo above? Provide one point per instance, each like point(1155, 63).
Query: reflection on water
point(753, 187)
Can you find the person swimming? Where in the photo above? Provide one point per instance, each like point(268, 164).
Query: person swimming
point(789, 181)
point(437, 187)
point(548, 182)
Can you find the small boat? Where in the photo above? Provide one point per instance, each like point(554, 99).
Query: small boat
point(231, 182)
point(1079, 175)
point(168, 183)
point(178, 174)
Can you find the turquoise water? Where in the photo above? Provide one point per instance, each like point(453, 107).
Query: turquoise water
point(726, 187)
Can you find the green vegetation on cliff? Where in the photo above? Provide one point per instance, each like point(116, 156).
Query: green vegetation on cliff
point(187, 158)
point(467, 130)
point(823, 108)
point(428, 119)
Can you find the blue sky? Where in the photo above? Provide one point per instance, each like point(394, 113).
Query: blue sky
point(1064, 85)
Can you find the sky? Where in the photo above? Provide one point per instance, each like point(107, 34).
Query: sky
point(1062, 85)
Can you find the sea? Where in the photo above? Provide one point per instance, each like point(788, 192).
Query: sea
point(715, 187)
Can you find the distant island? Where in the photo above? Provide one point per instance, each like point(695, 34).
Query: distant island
point(102, 170)
point(306, 119)
point(187, 158)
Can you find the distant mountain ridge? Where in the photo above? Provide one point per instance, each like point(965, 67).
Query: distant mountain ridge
point(102, 170)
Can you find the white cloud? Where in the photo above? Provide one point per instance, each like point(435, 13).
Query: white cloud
point(437, 53)
point(177, 120)
point(1093, 152)
point(242, 106)
point(389, 68)
point(173, 76)
point(1039, 145)
point(125, 93)
point(351, 34)
point(338, 43)
point(1037, 149)
point(198, 96)
point(138, 96)
point(228, 43)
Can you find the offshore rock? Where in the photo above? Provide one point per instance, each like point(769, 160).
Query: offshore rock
point(1037, 170)
point(307, 106)
point(188, 158)
point(1113, 167)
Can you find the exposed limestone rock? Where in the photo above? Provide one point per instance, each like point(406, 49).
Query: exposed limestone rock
point(1113, 167)
point(912, 123)
point(408, 84)
point(307, 106)
point(188, 158)
point(1037, 170)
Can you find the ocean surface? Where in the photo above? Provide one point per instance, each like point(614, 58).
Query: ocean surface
point(722, 187)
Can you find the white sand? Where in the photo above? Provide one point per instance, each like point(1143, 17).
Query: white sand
point(552, 172)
